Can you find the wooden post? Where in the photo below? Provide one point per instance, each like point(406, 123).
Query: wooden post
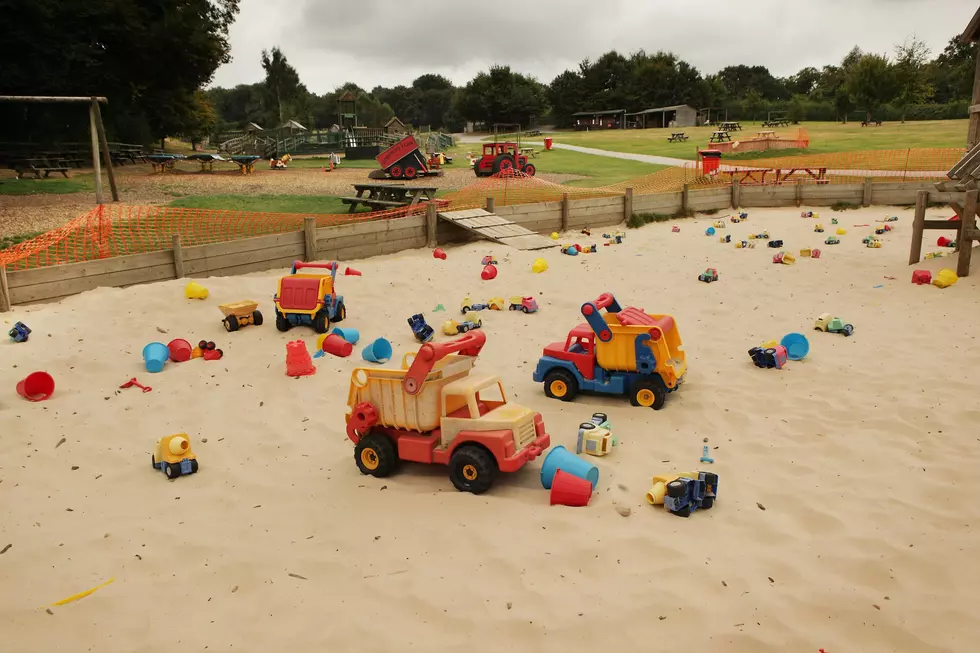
point(309, 233)
point(491, 205)
point(968, 232)
point(736, 192)
point(178, 257)
point(95, 155)
point(799, 192)
point(685, 199)
point(628, 204)
point(5, 303)
point(431, 219)
point(973, 132)
point(918, 224)
point(563, 225)
point(867, 191)
point(106, 157)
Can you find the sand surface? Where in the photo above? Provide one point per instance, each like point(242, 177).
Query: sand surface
point(863, 457)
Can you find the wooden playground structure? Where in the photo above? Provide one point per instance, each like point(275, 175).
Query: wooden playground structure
point(964, 181)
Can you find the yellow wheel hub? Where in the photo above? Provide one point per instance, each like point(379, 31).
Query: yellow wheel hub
point(645, 397)
point(558, 388)
point(469, 472)
point(369, 458)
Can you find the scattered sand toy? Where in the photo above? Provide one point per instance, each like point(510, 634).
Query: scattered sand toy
point(945, 278)
point(708, 275)
point(240, 314)
point(595, 437)
point(174, 456)
point(684, 493)
point(20, 332)
point(194, 290)
point(831, 324)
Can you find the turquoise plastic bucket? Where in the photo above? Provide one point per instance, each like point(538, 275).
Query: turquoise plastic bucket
point(797, 346)
point(155, 356)
point(563, 459)
point(350, 335)
point(378, 351)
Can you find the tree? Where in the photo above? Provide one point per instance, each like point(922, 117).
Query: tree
point(741, 79)
point(565, 96)
point(911, 76)
point(200, 121)
point(797, 108)
point(803, 82)
point(951, 74)
point(871, 82)
point(501, 96)
point(111, 48)
point(753, 103)
point(843, 103)
point(282, 83)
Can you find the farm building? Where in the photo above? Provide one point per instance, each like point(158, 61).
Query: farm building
point(588, 120)
point(396, 127)
point(679, 115)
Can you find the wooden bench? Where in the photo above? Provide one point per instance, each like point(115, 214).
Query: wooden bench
point(720, 136)
point(37, 167)
point(677, 136)
point(730, 126)
point(388, 196)
point(868, 123)
point(529, 152)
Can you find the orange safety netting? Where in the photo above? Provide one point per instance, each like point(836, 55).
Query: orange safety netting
point(119, 230)
point(514, 187)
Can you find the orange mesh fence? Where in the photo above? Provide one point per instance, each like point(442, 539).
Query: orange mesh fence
point(514, 187)
point(119, 230)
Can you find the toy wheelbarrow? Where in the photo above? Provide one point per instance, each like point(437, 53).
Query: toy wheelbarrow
point(240, 314)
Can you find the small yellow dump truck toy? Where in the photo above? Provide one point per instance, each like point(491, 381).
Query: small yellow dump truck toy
point(174, 456)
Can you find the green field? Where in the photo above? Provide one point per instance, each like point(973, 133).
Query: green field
point(600, 170)
point(77, 184)
point(824, 137)
point(312, 204)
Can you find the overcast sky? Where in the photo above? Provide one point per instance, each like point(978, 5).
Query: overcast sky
point(390, 42)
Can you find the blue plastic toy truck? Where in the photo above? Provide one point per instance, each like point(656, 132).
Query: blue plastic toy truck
point(20, 333)
point(423, 332)
point(685, 495)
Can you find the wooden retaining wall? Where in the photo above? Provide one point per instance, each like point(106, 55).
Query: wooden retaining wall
point(374, 238)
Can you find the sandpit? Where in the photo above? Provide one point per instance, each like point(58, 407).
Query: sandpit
point(846, 497)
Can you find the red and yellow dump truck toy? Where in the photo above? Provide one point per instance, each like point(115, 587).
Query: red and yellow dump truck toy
point(624, 351)
point(404, 160)
point(434, 411)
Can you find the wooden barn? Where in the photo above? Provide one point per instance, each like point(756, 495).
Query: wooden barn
point(679, 115)
point(589, 120)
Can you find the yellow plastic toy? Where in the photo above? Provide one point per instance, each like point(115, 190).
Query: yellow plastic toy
point(719, 224)
point(818, 228)
point(945, 278)
point(194, 290)
point(805, 253)
point(240, 314)
point(788, 259)
point(174, 456)
point(539, 265)
point(841, 231)
point(769, 344)
point(655, 495)
point(554, 235)
point(594, 440)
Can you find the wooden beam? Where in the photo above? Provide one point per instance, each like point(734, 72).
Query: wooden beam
point(95, 153)
point(915, 251)
point(491, 205)
point(685, 199)
point(5, 303)
point(866, 200)
point(563, 224)
point(431, 219)
point(973, 133)
point(178, 257)
point(628, 204)
point(49, 98)
point(309, 236)
point(736, 192)
point(106, 157)
point(967, 231)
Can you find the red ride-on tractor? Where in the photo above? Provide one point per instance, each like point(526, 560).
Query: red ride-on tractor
point(498, 157)
point(404, 160)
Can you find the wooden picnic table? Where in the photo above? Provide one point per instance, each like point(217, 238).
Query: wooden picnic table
point(529, 152)
point(766, 133)
point(163, 162)
point(37, 167)
point(730, 127)
point(776, 122)
point(758, 175)
point(720, 136)
point(246, 162)
point(677, 136)
point(388, 196)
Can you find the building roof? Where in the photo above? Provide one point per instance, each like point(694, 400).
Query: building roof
point(608, 112)
point(661, 109)
point(347, 97)
point(972, 31)
point(292, 124)
point(253, 127)
point(393, 121)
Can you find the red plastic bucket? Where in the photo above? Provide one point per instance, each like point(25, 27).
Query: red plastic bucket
point(489, 272)
point(334, 344)
point(38, 386)
point(180, 350)
point(548, 142)
point(570, 490)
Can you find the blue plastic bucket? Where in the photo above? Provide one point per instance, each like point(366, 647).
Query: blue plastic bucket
point(155, 356)
point(710, 231)
point(563, 459)
point(797, 346)
point(348, 334)
point(378, 351)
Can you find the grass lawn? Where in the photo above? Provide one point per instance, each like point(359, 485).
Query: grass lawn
point(76, 184)
point(824, 137)
point(311, 204)
point(601, 170)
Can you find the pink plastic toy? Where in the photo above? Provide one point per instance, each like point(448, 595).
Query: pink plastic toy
point(815, 253)
point(298, 360)
point(921, 277)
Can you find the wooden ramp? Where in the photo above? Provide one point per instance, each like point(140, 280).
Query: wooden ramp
point(493, 227)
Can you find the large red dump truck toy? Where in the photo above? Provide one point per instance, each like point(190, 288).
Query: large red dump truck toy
point(434, 411)
point(404, 160)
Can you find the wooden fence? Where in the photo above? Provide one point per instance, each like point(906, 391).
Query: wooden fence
point(373, 238)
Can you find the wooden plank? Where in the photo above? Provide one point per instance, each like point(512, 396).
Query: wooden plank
point(431, 220)
point(214, 264)
point(350, 241)
point(375, 249)
point(563, 218)
point(514, 211)
point(968, 219)
point(553, 217)
point(255, 266)
point(736, 192)
point(502, 231)
point(866, 198)
point(57, 273)
point(529, 242)
point(686, 199)
point(72, 286)
point(593, 202)
point(107, 158)
point(371, 226)
point(243, 245)
point(628, 204)
point(5, 303)
point(309, 239)
point(596, 210)
point(915, 251)
point(604, 220)
point(178, 258)
point(483, 221)
point(490, 204)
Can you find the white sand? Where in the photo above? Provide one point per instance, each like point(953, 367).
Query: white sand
point(865, 457)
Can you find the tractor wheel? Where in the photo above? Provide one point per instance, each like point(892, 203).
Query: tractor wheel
point(848, 330)
point(231, 323)
point(560, 384)
point(256, 318)
point(411, 172)
point(529, 170)
point(375, 455)
point(153, 461)
point(502, 162)
point(649, 394)
point(463, 328)
point(684, 512)
point(524, 308)
point(472, 469)
point(707, 502)
point(675, 489)
point(341, 313)
point(282, 323)
point(172, 470)
point(194, 466)
point(321, 321)
point(395, 172)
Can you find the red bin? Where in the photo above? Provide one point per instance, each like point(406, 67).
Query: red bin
point(548, 142)
point(710, 161)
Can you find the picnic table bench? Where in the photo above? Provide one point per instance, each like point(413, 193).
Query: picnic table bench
point(766, 133)
point(388, 196)
point(246, 162)
point(758, 175)
point(529, 152)
point(730, 127)
point(776, 122)
point(867, 123)
point(720, 136)
point(163, 162)
point(533, 132)
point(677, 136)
point(37, 167)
